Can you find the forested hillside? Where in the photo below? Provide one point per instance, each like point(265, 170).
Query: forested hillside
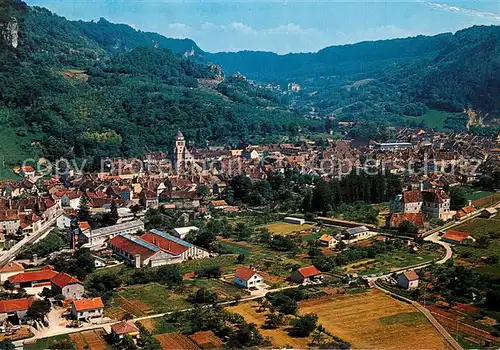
point(385, 82)
point(75, 89)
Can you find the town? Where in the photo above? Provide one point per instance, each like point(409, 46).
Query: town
point(288, 236)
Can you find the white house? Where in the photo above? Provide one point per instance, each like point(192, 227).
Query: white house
point(295, 221)
point(328, 241)
point(63, 221)
point(181, 232)
point(10, 269)
point(408, 279)
point(83, 309)
point(247, 278)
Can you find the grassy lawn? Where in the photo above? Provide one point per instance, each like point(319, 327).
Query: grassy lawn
point(47, 343)
point(433, 119)
point(393, 261)
point(478, 195)
point(408, 318)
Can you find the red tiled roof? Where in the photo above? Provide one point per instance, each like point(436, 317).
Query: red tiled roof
point(412, 196)
point(456, 236)
point(397, 219)
point(469, 209)
point(84, 225)
point(131, 247)
point(32, 276)
point(309, 271)
point(88, 304)
point(164, 243)
point(411, 275)
point(124, 328)
point(244, 273)
point(63, 279)
point(14, 305)
point(12, 267)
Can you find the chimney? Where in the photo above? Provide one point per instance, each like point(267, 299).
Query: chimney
point(421, 185)
point(137, 261)
point(469, 203)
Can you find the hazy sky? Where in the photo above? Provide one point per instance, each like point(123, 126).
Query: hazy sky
point(282, 26)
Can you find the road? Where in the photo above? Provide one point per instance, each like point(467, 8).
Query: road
point(57, 330)
point(10, 254)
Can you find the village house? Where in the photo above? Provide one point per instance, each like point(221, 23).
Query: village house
point(408, 279)
point(328, 241)
point(218, 205)
point(67, 285)
point(63, 222)
point(85, 309)
point(9, 221)
point(121, 329)
point(149, 199)
point(32, 279)
point(457, 237)
point(181, 232)
point(358, 233)
point(247, 278)
point(96, 239)
point(407, 202)
point(307, 275)
point(10, 269)
point(295, 221)
point(436, 204)
point(14, 310)
point(174, 246)
point(489, 213)
point(140, 253)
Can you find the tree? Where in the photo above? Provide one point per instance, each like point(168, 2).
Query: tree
point(7, 344)
point(203, 191)
point(408, 227)
point(304, 325)
point(38, 310)
point(203, 296)
point(135, 209)
point(274, 320)
point(458, 197)
point(240, 259)
point(169, 275)
point(83, 209)
point(113, 214)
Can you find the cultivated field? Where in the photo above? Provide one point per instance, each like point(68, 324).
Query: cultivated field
point(278, 337)
point(374, 320)
point(285, 228)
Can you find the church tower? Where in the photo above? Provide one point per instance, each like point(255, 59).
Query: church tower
point(179, 150)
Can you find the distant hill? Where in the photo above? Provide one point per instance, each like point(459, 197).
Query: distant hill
point(85, 90)
point(400, 77)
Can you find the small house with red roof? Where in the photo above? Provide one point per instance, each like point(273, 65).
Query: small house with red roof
point(457, 237)
point(247, 278)
point(121, 329)
point(408, 279)
point(14, 310)
point(307, 275)
point(67, 285)
point(85, 309)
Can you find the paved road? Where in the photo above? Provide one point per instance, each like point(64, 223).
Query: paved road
point(10, 254)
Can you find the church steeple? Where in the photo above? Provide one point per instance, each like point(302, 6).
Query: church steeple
point(179, 150)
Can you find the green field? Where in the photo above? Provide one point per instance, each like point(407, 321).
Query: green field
point(478, 195)
point(394, 260)
point(408, 318)
point(472, 253)
point(433, 119)
point(51, 343)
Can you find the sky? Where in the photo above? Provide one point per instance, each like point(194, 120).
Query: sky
point(282, 26)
